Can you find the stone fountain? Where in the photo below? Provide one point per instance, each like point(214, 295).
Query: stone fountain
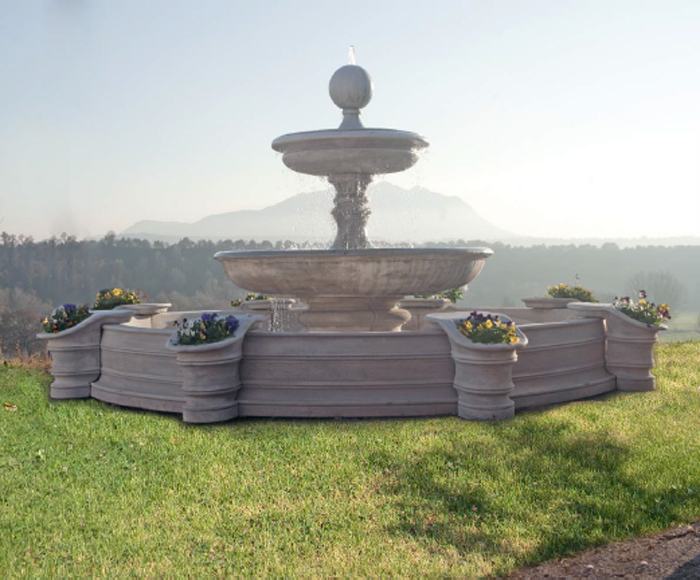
point(338, 369)
point(352, 286)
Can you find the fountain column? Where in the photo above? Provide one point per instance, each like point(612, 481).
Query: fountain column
point(351, 210)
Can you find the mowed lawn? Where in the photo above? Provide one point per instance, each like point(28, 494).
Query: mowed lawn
point(90, 489)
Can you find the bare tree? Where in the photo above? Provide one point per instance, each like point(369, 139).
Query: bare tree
point(660, 287)
point(18, 329)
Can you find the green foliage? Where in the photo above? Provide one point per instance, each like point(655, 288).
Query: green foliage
point(89, 489)
point(112, 297)
point(577, 292)
point(453, 295)
point(65, 317)
point(207, 329)
point(643, 311)
point(250, 297)
point(487, 329)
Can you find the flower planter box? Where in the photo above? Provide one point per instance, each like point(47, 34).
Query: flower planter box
point(483, 372)
point(547, 309)
point(419, 308)
point(146, 309)
point(629, 353)
point(211, 376)
point(548, 303)
point(75, 354)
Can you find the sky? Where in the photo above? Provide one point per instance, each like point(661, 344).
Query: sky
point(551, 118)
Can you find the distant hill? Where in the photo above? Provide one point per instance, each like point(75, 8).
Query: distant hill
point(398, 215)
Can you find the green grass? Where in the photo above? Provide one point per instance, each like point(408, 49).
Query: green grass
point(89, 489)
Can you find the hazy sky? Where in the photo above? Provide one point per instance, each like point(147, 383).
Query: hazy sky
point(551, 118)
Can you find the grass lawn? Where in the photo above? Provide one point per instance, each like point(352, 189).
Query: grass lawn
point(89, 489)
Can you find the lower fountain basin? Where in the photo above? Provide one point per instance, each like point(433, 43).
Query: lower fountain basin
point(353, 290)
point(371, 272)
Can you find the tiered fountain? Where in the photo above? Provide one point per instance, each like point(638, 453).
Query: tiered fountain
point(337, 367)
point(352, 286)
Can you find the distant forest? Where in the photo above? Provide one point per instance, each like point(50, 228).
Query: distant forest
point(36, 276)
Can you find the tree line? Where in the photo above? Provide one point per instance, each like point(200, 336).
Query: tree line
point(36, 276)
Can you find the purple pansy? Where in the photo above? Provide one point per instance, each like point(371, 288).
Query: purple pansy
point(231, 324)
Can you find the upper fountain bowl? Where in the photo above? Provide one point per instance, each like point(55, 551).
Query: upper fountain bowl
point(350, 148)
point(334, 151)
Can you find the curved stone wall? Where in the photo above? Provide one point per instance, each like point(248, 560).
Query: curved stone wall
point(563, 361)
point(362, 374)
point(138, 371)
point(354, 374)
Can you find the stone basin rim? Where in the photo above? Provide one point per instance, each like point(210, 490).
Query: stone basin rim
point(283, 142)
point(375, 253)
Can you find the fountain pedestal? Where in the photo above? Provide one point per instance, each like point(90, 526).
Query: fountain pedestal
point(351, 210)
point(353, 314)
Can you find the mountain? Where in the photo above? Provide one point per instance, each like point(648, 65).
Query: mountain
point(414, 215)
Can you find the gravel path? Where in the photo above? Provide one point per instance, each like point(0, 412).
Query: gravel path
point(671, 555)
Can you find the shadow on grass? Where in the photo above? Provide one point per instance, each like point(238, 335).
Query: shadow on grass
point(530, 492)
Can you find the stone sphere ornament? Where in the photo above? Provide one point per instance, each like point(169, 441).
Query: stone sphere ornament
point(351, 87)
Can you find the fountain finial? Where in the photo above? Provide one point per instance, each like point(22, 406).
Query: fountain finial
point(351, 89)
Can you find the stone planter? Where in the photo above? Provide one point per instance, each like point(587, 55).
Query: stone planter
point(146, 309)
point(419, 308)
point(548, 303)
point(629, 353)
point(211, 377)
point(75, 354)
point(483, 372)
point(547, 309)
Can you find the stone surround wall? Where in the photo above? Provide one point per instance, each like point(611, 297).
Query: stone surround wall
point(357, 374)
